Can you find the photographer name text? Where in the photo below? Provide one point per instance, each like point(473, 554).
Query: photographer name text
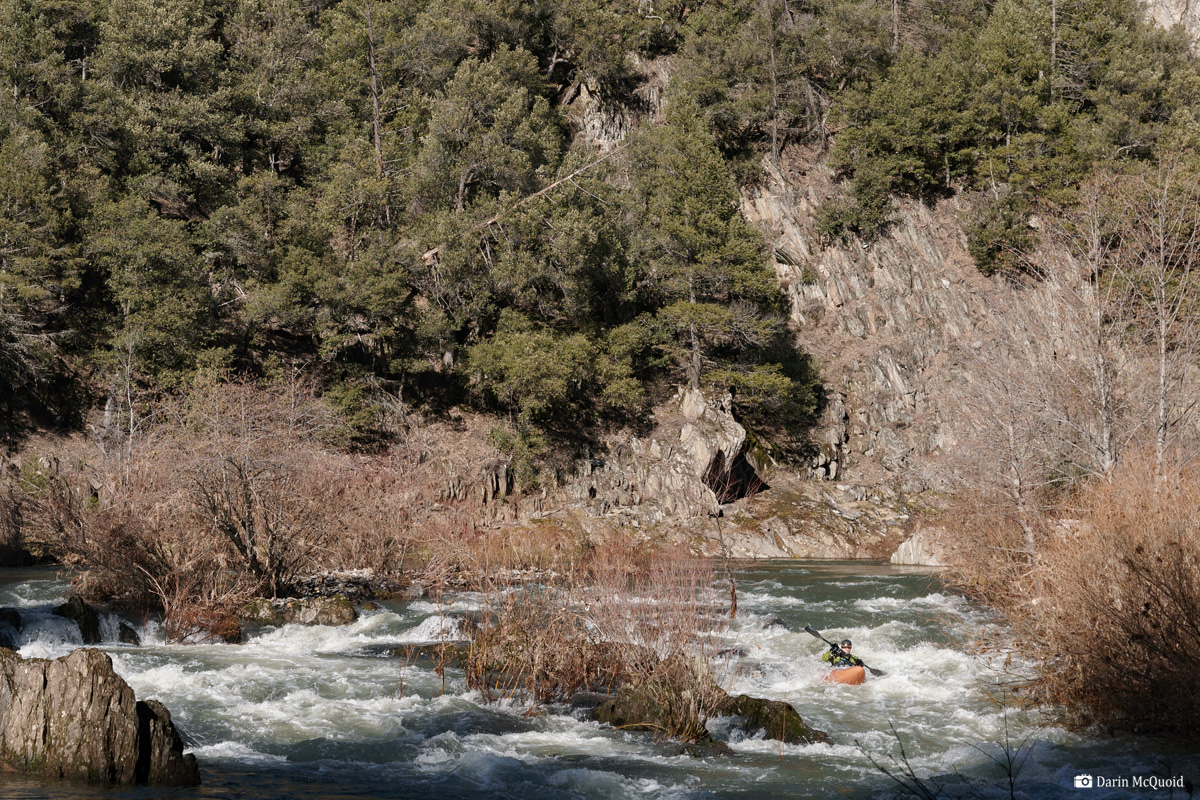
point(1152, 782)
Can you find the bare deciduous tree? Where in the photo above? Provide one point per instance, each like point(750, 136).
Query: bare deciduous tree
point(253, 477)
point(1087, 309)
point(1159, 254)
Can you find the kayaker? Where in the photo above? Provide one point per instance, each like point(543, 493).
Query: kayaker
point(840, 657)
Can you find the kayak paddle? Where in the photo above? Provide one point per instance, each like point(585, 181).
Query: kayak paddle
point(878, 673)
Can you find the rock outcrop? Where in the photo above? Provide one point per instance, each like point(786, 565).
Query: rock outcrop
point(1169, 13)
point(775, 719)
point(927, 547)
point(336, 610)
point(359, 585)
point(632, 709)
point(695, 460)
point(84, 616)
point(887, 322)
point(802, 518)
point(76, 719)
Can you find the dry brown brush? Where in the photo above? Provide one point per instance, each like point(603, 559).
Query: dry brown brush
point(606, 614)
point(1111, 604)
point(228, 494)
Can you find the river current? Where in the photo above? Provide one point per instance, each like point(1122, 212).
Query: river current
point(327, 712)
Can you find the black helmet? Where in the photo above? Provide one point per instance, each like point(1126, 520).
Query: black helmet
point(847, 643)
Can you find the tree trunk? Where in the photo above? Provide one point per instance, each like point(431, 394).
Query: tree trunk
point(376, 114)
point(895, 26)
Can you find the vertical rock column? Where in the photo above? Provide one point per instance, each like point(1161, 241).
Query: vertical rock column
point(76, 719)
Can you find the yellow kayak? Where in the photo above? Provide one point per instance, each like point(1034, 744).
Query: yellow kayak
point(852, 676)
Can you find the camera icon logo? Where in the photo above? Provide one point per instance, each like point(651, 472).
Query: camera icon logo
point(1083, 781)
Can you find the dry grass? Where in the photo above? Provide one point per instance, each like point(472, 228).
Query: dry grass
point(1111, 602)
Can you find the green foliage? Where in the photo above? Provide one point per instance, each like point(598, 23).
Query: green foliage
point(533, 372)
point(395, 191)
point(356, 410)
point(864, 213)
point(762, 71)
point(998, 234)
point(1016, 104)
point(526, 448)
point(162, 299)
point(914, 134)
point(490, 131)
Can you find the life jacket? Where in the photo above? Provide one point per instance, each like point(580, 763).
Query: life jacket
point(839, 659)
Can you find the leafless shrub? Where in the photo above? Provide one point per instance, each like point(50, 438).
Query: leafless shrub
point(1112, 602)
point(530, 646)
point(990, 559)
point(250, 457)
point(608, 612)
point(229, 494)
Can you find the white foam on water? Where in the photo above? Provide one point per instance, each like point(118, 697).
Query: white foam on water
point(47, 635)
point(937, 600)
point(760, 600)
point(433, 629)
point(236, 751)
point(293, 685)
point(306, 714)
point(487, 762)
point(31, 594)
point(595, 783)
point(459, 603)
point(555, 741)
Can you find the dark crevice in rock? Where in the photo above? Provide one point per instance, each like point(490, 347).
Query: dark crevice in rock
point(735, 480)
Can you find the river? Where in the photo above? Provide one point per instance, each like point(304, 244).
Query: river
point(323, 712)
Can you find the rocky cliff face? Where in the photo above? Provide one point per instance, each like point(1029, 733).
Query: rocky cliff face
point(888, 321)
point(76, 719)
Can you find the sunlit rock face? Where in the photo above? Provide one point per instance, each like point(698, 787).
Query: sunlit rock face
point(692, 462)
point(888, 322)
point(1169, 13)
point(76, 719)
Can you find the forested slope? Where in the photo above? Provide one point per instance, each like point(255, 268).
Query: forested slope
point(395, 198)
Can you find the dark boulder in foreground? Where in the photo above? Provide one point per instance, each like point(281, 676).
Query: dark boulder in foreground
point(777, 720)
point(76, 719)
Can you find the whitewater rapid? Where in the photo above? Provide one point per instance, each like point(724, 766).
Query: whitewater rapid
point(330, 712)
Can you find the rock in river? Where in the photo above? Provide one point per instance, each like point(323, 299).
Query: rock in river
point(84, 616)
point(75, 718)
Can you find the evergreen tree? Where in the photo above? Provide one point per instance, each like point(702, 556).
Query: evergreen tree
point(704, 272)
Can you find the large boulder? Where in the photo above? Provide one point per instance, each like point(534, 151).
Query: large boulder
point(84, 616)
point(336, 610)
point(678, 696)
point(927, 547)
point(632, 709)
point(76, 719)
point(775, 718)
